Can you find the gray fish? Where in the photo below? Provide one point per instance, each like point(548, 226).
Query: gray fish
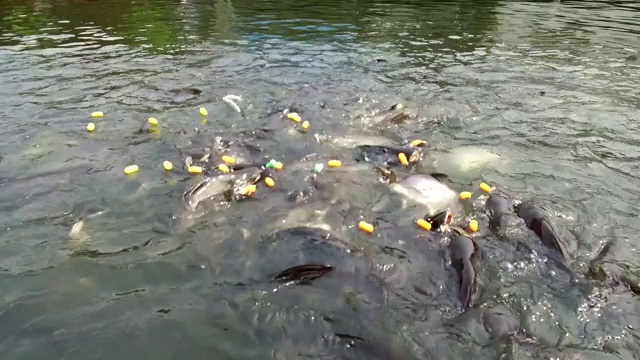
point(303, 273)
point(539, 221)
point(387, 155)
point(210, 187)
point(498, 206)
point(499, 323)
point(601, 270)
point(465, 259)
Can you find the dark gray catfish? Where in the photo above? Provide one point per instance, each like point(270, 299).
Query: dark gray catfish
point(387, 155)
point(465, 259)
point(539, 221)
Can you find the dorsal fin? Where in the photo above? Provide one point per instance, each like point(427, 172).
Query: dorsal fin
point(439, 176)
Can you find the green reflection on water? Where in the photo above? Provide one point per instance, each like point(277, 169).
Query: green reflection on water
point(170, 26)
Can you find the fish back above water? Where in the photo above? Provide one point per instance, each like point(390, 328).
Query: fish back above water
point(465, 258)
point(210, 187)
point(498, 206)
point(466, 159)
point(539, 221)
point(386, 155)
point(426, 190)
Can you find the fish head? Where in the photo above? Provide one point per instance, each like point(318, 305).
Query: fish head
point(440, 219)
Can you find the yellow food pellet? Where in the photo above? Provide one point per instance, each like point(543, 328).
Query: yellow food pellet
point(228, 159)
point(97, 114)
point(403, 159)
point(249, 189)
point(294, 116)
point(466, 195)
point(485, 187)
point(424, 224)
point(334, 163)
point(153, 121)
point(418, 143)
point(167, 165)
point(91, 127)
point(305, 125)
point(365, 226)
point(203, 111)
point(131, 169)
point(269, 181)
point(224, 168)
point(278, 165)
point(195, 170)
point(473, 225)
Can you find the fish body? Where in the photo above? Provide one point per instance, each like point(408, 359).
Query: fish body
point(541, 224)
point(465, 259)
point(427, 191)
point(213, 186)
point(387, 155)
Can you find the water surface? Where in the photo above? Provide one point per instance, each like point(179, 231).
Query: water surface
point(551, 86)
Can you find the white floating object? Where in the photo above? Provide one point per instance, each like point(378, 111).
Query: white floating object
point(231, 99)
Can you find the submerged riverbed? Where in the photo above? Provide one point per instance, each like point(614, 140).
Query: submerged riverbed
point(552, 87)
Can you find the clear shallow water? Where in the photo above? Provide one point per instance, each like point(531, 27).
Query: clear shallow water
point(553, 87)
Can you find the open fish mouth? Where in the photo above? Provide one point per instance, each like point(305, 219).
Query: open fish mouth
point(440, 219)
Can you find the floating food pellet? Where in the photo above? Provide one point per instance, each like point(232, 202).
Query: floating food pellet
point(249, 190)
point(269, 181)
point(418, 143)
point(334, 163)
point(224, 168)
point(167, 165)
point(403, 159)
point(91, 127)
point(97, 114)
point(131, 169)
point(473, 225)
point(228, 159)
point(195, 169)
point(318, 168)
point(271, 164)
point(305, 125)
point(279, 165)
point(466, 195)
point(203, 111)
point(153, 121)
point(365, 226)
point(424, 224)
point(294, 116)
point(485, 187)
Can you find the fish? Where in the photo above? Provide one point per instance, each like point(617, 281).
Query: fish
point(303, 273)
point(539, 221)
point(465, 259)
point(601, 270)
point(498, 206)
point(212, 186)
point(427, 190)
point(386, 155)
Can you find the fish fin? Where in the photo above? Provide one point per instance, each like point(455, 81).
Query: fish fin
point(388, 174)
point(467, 282)
point(439, 176)
point(305, 273)
point(459, 230)
point(549, 237)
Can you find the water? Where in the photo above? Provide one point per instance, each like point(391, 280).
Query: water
point(551, 86)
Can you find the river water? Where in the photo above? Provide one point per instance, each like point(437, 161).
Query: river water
point(552, 87)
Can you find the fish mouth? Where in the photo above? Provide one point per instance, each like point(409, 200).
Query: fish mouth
point(415, 156)
point(440, 219)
